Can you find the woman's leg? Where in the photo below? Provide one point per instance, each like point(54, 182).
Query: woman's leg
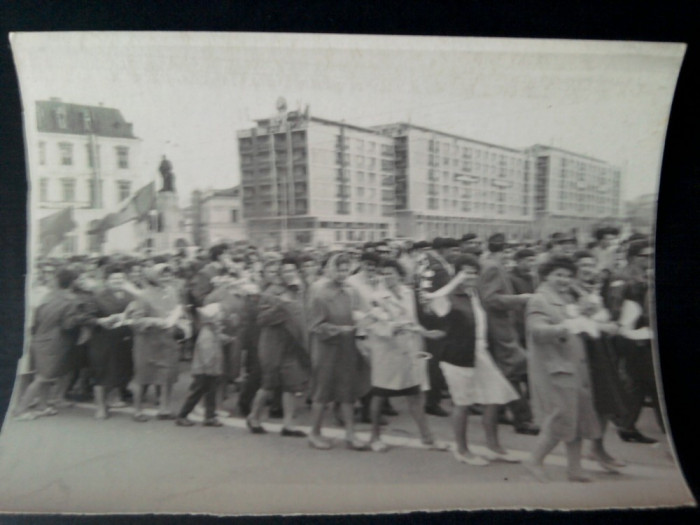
point(376, 404)
point(543, 446)
point(490, 421)
point(289, 409)
point(348, 412)
point(33, 391)
point(460, 418)
point(415, 408)
point(258, 406)
point(317, 411)
point(100, 402)
point(166, 391)
point(573, 459)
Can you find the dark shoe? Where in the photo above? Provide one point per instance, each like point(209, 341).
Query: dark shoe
point(436, 410)
point(184, 422)
point(527, 429)
point(356, 444)
point(635, 436)
point(286, 432)
point(276, 413)
point(140, 417)
point(165, 417)
point(213, 422)
point(255, 429)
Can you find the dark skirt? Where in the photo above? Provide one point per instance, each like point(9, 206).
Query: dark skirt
point(608, 394)
point(111, 362)
point(389, 392)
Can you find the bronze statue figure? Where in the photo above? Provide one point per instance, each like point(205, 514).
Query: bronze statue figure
point(166, 171)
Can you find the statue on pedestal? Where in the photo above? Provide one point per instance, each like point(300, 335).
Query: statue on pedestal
point(166, 171)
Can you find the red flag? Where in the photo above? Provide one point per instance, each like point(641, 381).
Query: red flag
point(53, 229)
point(136, 208)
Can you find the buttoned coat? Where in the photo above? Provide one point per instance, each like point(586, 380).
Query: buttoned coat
point(558, 370)
point(501, 303)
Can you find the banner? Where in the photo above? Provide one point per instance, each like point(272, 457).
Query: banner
point(53, 229)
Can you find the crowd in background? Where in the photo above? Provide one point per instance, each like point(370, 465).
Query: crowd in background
point(552, 337)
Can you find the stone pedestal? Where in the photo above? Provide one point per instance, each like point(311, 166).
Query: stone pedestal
point(169, 219)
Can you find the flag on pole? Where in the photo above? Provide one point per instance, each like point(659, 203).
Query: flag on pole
point(53, 229)
point(136, 208)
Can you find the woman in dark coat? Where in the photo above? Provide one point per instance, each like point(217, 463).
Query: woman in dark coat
point(558, 371)
point(53, 334)
point(109, 352)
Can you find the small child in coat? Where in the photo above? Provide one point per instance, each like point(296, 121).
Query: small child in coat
point(207, 366)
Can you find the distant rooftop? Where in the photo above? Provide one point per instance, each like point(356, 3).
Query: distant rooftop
point(572, 153)
point(56, 116)
point(445, 134)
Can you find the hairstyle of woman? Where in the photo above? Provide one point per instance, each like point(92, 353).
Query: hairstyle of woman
point(555, 263)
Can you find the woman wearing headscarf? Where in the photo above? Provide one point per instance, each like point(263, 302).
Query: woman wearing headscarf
point(558, 370)
point(337, 365)
point(156, 315)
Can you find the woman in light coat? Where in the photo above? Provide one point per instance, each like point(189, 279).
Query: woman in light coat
point(558, 371)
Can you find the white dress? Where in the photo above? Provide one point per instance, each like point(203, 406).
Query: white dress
point(484, 384)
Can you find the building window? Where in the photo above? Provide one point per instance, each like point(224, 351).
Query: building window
point(61, 117)
point(122, 157)
point(42, 153)
point(338, 235)
point(44, 190)
point(360, 207)
point(95, 195)
point(234, 216)
point(66, 149)
point(69, 245)
point(342, 207)
point(123, 189)
point(68, 190)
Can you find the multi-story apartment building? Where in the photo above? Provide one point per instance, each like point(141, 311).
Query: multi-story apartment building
point(448, 185)
point(81, 156)
point(216, 216)
point(574, 191)
point(308, 180)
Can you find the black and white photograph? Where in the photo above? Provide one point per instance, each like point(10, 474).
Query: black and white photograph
point(332, 274)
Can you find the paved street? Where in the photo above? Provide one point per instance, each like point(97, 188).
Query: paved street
point(72, 462)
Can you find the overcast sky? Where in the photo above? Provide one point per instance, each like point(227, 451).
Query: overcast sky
point(188, 94)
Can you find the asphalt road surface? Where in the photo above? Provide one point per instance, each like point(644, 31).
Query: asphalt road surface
point(74, 463)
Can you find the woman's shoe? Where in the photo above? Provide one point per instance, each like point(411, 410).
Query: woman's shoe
point(140, 417)
point(439, 446)
point(508, 457)
point(579, 477)
point(537, 472)
point(255, 429)
point(319, 442)
point(165, 417)
point(212, 422)
point(102, 415)
point(356, 444)
point(184, 422)
point(26, 416)
point(48, 411)
point(288, 432)
point(475, 461)
point(378, 446)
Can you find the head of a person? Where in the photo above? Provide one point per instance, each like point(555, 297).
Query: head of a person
point(497, 245)
point(606, 236)
point(586, 266)
point(135, 273)
point(369, 262)
point(469, 267)
point(524, 260)
point(65, 277)
point(392, 272)
point(557, 273)
point(158, 275)
point(115, 276)
point(562, 244)
point(340, 266)
point(289, 271)
point(640, 254)
point(309, 266)
point(271, 270)
point(219, 253)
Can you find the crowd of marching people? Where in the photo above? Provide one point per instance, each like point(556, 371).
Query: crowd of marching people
point(551, 337)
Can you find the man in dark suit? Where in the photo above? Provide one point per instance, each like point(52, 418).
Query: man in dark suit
point(501, 303)
point(436, 272)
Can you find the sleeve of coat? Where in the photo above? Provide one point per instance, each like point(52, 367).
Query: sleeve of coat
point(539, 324)
point(492, 294)
point(318, 320)
point(200, 287)
point(72, 315)
point(271, 311)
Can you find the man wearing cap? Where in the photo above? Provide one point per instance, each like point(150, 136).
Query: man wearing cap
point(436, 273)
point(471, 244)
point(604, 250)
point(501, 304)
point(522, 280)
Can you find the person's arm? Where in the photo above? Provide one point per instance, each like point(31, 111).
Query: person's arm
point(492, 293)
point(539, 323)
point(319, 323)
point(271, 310)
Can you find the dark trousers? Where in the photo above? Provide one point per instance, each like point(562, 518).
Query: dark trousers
point(252, 382)
point(520, 408)
point(202, 386)
point(638, 381)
